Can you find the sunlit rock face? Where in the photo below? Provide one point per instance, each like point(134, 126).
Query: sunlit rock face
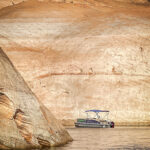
point(24, 123)
point(82, 56)
point(5, 3)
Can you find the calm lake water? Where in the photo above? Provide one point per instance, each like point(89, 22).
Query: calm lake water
point(108, 138)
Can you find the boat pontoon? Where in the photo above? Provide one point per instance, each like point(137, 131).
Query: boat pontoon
point(99, 121)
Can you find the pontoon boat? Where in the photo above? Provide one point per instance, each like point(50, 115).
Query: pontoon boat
point(99, 121)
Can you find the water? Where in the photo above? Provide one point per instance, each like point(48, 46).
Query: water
point(108, 138)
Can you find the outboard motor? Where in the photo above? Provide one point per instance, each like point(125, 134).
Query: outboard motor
point(112, 125)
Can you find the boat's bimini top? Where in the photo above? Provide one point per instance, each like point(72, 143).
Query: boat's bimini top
point(96, 111)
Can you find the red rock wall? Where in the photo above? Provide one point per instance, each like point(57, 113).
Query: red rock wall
point(77, 57)
point(5, 3)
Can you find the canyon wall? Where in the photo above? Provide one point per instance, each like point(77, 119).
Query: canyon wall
point(76, 57)
point(24, 123)
point(5, 3)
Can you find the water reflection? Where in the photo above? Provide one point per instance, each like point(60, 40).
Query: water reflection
point(111, 139)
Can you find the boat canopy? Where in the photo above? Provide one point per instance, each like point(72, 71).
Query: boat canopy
point(96, 111)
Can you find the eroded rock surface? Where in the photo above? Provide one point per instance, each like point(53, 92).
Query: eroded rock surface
point(74, 57)
point(6, 3)
point(23, 124)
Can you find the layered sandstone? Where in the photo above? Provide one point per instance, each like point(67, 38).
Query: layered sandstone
point(6, 3)
point(82, 56)
point(24, 123)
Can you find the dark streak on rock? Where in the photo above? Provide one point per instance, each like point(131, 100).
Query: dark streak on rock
point(90, 73)
point(17, 111)
point(1, 94)
point(141, 48)
point(43, 143)
point(4, 100)
point(1, 89)
point(24, 125)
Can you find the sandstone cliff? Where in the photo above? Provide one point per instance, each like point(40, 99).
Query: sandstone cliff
point(77, 56)
point(24, 123)
point(5, 3)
